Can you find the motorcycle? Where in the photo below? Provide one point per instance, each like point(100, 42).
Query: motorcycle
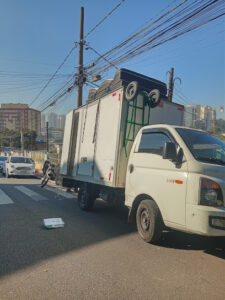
point(49, 174)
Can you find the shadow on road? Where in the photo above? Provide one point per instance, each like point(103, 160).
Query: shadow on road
point(184, 241)
point(24, 242)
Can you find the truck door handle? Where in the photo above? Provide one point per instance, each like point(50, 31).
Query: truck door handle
point(131, 168)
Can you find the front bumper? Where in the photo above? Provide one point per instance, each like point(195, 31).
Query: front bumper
point(206, 220)
point(16, 172)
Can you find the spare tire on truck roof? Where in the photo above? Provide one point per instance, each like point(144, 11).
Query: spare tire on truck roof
point(131, 90)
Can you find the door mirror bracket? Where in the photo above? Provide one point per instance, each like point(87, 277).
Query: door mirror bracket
point(170, 152)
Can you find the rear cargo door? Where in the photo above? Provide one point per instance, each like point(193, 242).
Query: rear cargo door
point(107, 138)
point(87, 145)
point(66, 142)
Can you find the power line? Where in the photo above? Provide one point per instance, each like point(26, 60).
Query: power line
point(102, 20)
point(102, 56)
point(64, 87)
point(132, 37)
point(68, 90)
point(190, 17)
point(59, 67)
point(181, 95)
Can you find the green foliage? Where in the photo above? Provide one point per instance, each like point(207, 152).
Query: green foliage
point(221, 137)
point(10, 138)
point(220, 126)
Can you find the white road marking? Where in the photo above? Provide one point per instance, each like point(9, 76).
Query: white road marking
point(4, 198)
point(35, 196)
point(59, 192)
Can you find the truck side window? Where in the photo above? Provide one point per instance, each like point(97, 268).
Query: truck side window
point(153, 142)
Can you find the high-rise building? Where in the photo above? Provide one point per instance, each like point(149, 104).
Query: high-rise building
point(20, 116)
point(61, 119)
point(43, 122)
point(194, 114)
point(52, 120)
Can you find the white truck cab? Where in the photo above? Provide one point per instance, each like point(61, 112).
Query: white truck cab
point(176, 177)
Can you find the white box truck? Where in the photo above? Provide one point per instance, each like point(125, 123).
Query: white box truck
point(127, 143)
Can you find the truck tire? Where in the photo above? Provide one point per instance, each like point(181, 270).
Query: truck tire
point(149, 221)
point(154, 97)
point(131, 90)
point(86, 199)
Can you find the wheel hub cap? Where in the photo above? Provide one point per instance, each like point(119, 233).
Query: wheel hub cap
point(145, 220)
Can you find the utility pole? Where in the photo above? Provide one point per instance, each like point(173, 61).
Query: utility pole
point(171, 84)
point(31, 139)
point(22, 141)
point(80, 62)
point(47, 145)
point(214, 121)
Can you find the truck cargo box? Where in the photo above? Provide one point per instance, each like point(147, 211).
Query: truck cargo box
point(98, 136)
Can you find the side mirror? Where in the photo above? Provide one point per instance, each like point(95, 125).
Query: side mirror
point(169, 151)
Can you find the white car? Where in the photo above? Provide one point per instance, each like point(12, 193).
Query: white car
point(19, 166)
point(3, 159)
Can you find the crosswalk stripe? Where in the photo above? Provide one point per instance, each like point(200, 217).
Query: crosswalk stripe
point(4, 198)
point(35, 196)
point(59, 192)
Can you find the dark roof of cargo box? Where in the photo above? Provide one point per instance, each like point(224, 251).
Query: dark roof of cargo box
point(122, 78)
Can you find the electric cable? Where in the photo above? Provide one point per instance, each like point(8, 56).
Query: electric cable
point(103, 19)
point(194, 15)
point(59, 67)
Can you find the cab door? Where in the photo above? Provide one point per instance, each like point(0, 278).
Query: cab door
point(148, 173)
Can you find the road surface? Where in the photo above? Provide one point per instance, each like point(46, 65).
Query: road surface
point(97, 255)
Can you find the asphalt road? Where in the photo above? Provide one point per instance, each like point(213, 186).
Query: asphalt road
point(97, 255)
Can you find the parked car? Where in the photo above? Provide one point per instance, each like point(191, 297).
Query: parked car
point(19, 166)
point(3, 159)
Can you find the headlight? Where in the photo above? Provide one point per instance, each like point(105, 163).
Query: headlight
point(210, 193)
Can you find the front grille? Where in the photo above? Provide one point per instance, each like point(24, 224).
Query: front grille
point(23, 168)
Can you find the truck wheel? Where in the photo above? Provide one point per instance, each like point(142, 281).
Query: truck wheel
point(131, 90)
point(154, 97)
point(149, 221)
point(85, 199)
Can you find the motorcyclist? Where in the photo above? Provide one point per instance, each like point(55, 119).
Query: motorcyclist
point(46, 166)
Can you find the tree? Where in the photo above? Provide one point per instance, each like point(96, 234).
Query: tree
point(10, 138)
point(220, 126)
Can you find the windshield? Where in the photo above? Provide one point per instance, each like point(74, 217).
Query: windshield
point(3, 158)
point(204, 146)
point(20, 160)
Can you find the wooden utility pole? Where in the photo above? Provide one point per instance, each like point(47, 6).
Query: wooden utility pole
point(47, 145)
point(22, 141)
point(80, 62)
point(171, 84)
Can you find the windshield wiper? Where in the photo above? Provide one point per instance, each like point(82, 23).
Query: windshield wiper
point(212, 160)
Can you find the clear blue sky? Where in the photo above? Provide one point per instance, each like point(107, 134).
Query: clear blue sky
point(37, 35)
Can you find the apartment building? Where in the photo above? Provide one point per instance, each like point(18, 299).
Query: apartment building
point(17, 116)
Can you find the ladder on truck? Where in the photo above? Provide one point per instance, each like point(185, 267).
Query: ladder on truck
point(131, 121)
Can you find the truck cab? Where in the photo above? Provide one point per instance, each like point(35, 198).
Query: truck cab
point(176, 178)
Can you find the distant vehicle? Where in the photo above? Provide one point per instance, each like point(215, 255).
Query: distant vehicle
point(19, 166)
point(3, 159)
